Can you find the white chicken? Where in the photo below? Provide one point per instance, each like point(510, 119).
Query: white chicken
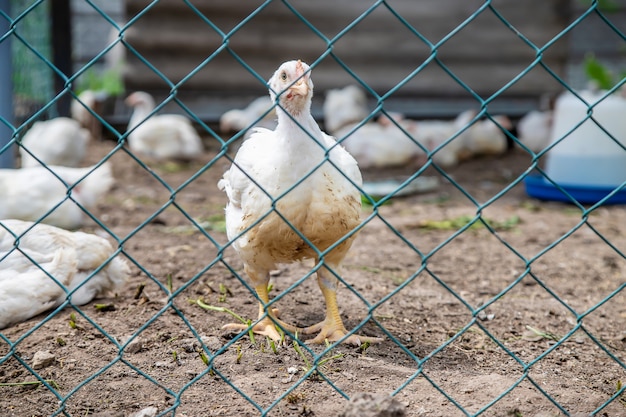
point(433, 133)
point(376, 145)
point(343, 107)
point(58, 141)
point(259, 113)
point(30, 193)
point(534, 129)
point(373, 145)
point(70, 257)
point(484, 137)
point(165, 136)
point(280, 182)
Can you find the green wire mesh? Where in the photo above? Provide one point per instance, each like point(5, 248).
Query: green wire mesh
point(39, 57)
point(32, 78)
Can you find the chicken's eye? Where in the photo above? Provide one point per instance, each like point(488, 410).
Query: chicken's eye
point(283, 76)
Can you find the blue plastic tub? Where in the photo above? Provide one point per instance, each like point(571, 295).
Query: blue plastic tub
point(538, 187)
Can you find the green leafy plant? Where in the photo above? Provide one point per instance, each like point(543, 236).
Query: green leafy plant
point(366, 202)
point(247, 322)
point(224, 292)
point(461, 221)
point(607, 6)
point(108, 81)
point(169, 283)
point(203, 357)
point(307, 364)
point(239, 354)
point(618, 388)
point(536, 334)
point(72, 322)
point(598, 72)
point(104, 307)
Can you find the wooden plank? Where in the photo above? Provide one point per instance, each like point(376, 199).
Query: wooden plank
point(381, 33)
point(382, 43)
point(223, 75)
point(486, 54)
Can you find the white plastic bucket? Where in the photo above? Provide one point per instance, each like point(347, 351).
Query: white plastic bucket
point(588, 156)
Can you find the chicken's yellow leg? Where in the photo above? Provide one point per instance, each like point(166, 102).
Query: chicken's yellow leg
point(332, 328)
point(266, 326)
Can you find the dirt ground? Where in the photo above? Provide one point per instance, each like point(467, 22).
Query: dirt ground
point(435, 358)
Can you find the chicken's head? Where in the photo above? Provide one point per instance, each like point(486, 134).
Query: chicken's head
point(140, 99)
point(293, 85)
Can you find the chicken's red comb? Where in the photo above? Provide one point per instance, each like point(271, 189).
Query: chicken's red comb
point(299, 68)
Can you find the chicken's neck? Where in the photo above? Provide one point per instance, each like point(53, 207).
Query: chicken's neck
point(140, 113)
point(300, 132)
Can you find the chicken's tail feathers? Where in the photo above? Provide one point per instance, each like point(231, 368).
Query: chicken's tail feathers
point(224, 183)
point(118, 271)
point(189, 141)
point(107, 280)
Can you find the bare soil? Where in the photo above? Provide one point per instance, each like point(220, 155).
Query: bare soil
point(420, 273)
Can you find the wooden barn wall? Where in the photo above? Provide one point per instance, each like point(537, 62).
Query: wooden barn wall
point(485, 54)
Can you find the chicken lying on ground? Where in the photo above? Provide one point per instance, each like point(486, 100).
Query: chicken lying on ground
point(344, 107)
point(70, 257)
point(482, 137)
point(58, 141)
point(431, 134)
point(163, 136)
point(259, 113)
point(29, 193)
point(485, 137)
point(320, 201)
point(373, 145)
point(396, 141)
point(377, 146)
point(534, 130)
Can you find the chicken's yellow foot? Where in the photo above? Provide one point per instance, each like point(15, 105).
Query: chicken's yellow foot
point(332, 331)
point(265, 327)
point(332, 328)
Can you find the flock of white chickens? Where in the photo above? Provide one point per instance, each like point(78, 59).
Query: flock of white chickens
point(392, 140)
point(52, 187)
point(42, 262)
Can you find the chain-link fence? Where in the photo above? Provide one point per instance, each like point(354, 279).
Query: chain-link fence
point(480, 315)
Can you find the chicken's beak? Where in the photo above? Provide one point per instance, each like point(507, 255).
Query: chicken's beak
point(300, 88)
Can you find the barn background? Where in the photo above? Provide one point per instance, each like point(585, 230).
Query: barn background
point(485, 54)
